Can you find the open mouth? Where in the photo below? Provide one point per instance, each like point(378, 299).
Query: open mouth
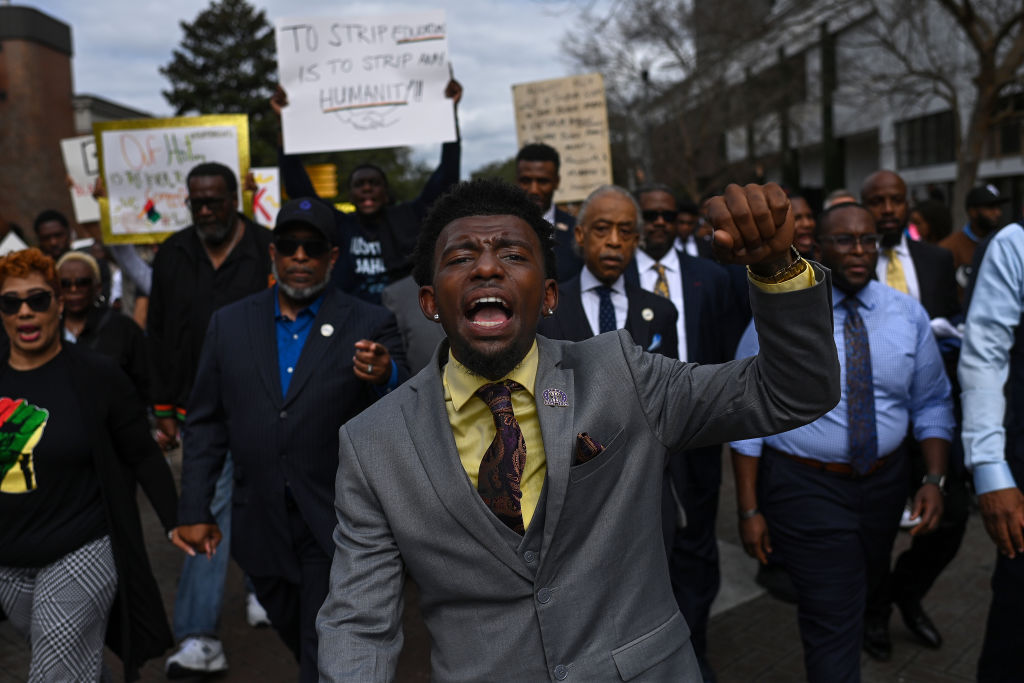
point(489, 312)
point(28, 333)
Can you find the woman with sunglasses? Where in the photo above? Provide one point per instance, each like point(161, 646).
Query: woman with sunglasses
point(73, 436)
point(93, 324)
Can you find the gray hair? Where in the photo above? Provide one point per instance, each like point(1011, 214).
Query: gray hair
point(581, 217)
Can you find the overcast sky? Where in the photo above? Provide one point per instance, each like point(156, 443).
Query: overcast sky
point(119, 45)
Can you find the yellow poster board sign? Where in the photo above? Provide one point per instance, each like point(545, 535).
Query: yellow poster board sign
point(145, 162)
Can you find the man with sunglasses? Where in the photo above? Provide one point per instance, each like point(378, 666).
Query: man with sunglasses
point(827, 498)
point(280, 372)
point(219, 259)
point(708, 328)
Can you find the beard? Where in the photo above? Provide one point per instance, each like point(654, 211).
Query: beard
point(216, 234)
point(890, 238)
point(494, 365)
point(300, 293)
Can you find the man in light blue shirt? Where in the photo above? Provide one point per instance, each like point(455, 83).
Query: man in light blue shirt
point(827, 497)
point(991, 375)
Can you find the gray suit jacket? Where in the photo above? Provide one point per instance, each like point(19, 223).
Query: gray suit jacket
point(585, 593)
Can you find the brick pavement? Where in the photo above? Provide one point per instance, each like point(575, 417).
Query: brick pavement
point(752, 636)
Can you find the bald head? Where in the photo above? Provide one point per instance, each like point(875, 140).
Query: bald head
point(885, 195)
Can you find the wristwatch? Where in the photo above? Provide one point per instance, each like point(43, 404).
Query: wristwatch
point(937, 479)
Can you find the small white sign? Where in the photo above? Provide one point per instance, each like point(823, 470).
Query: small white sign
point(83, 169)
point(266, 201)
point(364, 83)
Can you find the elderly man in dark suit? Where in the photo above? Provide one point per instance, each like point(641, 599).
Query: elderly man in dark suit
point(708, 330)
point(279, 373)
point(518, 479)
point(600, 299)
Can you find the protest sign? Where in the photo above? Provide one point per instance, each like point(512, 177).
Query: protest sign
point(364, 83)
point(570, 115)
point(83, 169)
point(144, 163)
point(266, 201)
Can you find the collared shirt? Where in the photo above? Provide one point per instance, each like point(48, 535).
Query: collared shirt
point(473, 425)
point(909, 272)
point(291, 337)
point(673, 275)
point(592, 300)
point(909, 380)
point(549, 215)
point(689, 246)
point(996, 308)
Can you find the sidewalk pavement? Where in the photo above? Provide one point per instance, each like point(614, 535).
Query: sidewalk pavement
point(752, 636)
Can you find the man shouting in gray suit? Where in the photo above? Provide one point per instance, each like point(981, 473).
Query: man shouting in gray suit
point(518, 479)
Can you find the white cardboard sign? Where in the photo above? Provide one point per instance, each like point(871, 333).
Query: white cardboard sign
point(364, 83)
point(83, 168)
point(266, 201)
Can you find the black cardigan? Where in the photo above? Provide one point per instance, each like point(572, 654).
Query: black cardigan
point(125, 453)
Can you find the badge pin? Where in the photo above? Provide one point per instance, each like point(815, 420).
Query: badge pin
point(647, 314)
point(327, 329)
point(556, 398)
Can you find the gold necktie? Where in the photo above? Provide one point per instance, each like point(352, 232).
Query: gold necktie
point(661, 286)
point(894, 275)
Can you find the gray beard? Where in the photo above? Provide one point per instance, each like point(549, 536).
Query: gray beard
point(300, 293)
point(216, 235)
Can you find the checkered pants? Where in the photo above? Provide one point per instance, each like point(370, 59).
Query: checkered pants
point(62, 609)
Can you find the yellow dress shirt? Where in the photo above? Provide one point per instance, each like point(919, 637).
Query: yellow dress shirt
point(473, 424)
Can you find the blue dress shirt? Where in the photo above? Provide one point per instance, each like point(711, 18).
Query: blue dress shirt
point(909, 380)
point(996, 309)
point(291, 337)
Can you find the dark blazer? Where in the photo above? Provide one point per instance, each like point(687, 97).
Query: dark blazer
point(714, 321)
point(936, 279)
point(585, 593)
point(116, 336)
point(125, 454)
point(402, 220)
point(277, 442)
point(570, 320)
point(567, 261)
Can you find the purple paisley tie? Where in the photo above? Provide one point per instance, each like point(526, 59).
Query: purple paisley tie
point(501, 470)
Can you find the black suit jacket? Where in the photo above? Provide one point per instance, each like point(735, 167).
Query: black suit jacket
point(570, 320)
point(713, 318)
point(567, 262)
point(276, 442)
point(936, 279)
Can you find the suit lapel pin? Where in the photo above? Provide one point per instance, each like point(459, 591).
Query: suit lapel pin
point(647, 314)
point(327, 329)
point(556, 398)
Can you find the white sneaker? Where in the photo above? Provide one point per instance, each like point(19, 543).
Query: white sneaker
point(196, 655)
point(254, 612)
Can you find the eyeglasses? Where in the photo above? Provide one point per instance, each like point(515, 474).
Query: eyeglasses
point(199, 203)
point(668, 215)
point(848, 242)
point(287, 246)
point(39, 302)
point(76, 283)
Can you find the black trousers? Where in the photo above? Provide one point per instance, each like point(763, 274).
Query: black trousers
point(291, 607)
point(693, 550)
point(1001, 660)
point(917, 567)
point(834, 534)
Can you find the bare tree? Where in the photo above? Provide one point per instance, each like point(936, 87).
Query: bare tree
point(967, 55)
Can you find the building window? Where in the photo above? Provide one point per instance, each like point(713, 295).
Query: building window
point(925, 140)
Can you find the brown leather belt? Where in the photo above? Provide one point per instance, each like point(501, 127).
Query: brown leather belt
point(840, 468)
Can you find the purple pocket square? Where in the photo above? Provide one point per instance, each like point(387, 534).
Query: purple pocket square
point(586, 448)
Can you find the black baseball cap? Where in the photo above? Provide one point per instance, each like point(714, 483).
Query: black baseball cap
point(308, 212)
point(986, 195)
